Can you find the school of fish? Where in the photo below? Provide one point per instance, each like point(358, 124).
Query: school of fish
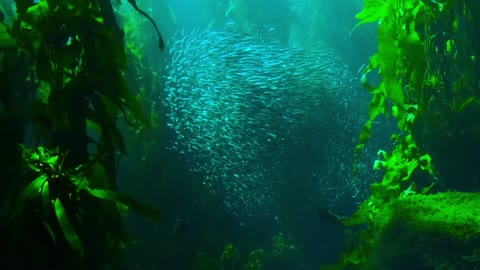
point(251, 114)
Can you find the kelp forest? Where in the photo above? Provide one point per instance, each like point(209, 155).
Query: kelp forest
point(80, 93)
point(63, 66)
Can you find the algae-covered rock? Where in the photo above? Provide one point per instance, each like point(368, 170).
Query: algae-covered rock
point(437, 231)
point(452, 214)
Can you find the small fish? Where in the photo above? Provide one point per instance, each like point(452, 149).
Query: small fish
point(237, 105)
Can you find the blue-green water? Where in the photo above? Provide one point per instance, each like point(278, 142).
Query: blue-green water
point(262, 109)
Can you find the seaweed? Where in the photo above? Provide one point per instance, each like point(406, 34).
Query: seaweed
point(62, 65)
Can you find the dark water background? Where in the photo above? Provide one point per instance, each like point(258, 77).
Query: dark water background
point(193, 221)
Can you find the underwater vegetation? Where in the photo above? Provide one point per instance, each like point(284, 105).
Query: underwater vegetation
point(255, 118)
point(243, 106)
point(63, 93)
point(280, 252)
point(427, 60)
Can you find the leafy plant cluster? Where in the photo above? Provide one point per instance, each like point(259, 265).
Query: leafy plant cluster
point(282, 250)
point(426, 72)
point(64, 90)
point(283, 246)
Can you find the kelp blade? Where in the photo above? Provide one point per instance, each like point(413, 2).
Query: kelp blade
point(68, 231)
point(127, 200)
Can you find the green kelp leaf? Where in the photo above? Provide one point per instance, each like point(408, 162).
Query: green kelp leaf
point(45, 195)
point(410, 167)
point(466, 103)
point(394, 92)
point(366, 132)
point(377, 106)
point(109, 130)
point(31, 194)
point(44, 91)
point(355, 220)
point(98, 176)
point(425, 163)
point(122, 209)
point(98, 19)
point(111, 106)
point(6, 41)
point(31, 158)
point(129, 100)
point(36, 13)
point(52, 160)
point(462, 83)
point(33, 189)
point(425, 190)
point(79, 181)
point(94, 127)
point(412, 189)
point(373, 10)
point(50, 232)
point(111, 49)
point(41, 152)
point(127, 200)
point(391, 177)
point(26, 151)
point(361, 216)
point(68, 231)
